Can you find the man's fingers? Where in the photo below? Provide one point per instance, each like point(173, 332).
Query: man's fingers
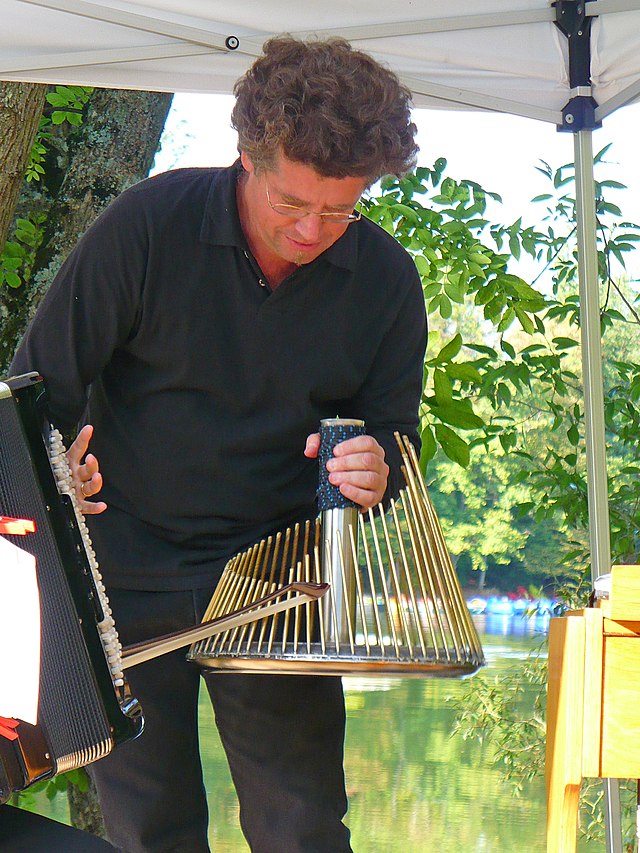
point(312, 445)
point(370, 480)
point(91, 486)
point(358, 462)
point(364, 496)
point(80, 445)
point(358, 444)
point(92, 507)
point(87, 479)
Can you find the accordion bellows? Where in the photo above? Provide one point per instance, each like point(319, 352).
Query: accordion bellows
point(394, 605)
point(85, 707)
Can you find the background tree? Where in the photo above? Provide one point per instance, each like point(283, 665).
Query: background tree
point(91, 145)
point(21, 106)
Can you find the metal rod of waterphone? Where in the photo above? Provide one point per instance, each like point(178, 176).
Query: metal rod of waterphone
point(337, 556)
point(283, 599)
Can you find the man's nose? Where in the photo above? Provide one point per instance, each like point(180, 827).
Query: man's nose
point(309, 227)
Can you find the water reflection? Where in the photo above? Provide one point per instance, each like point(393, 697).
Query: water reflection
point(412, 787)
point(514, 625)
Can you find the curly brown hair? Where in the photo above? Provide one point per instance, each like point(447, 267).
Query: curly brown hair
point(326, 105)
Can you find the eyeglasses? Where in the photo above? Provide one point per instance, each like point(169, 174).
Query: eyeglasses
point(295, 212)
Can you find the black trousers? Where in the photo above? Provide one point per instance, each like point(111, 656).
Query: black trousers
point(23, 832)
point(283, 737)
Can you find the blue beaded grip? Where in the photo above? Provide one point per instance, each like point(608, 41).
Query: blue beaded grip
point(332, 432)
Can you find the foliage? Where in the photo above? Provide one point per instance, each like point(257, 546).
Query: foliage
point(455, 266)
point(507, 384)
point(68, 103)
point(17, 256)
point(592, 822)
point(52, 788)
point(509, 712)
point(476, 505)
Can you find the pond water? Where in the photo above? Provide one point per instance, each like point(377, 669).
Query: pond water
point(412, 787)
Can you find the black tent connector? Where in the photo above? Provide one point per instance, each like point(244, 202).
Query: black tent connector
point(575, 24)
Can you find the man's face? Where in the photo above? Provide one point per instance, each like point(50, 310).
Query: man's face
point(284, 237)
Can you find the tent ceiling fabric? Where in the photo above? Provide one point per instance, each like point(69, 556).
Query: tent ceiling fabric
point(507, 56)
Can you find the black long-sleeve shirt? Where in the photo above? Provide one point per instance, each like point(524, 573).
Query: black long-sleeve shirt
point(202, 384)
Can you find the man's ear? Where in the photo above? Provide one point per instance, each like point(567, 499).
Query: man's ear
point(247, 163)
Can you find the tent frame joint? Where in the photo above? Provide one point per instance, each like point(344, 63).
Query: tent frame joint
point(579, 114)
point(574, 23)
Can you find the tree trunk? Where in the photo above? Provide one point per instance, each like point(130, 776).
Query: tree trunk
point(84, 809)
point(21, 107)
point(113, 149)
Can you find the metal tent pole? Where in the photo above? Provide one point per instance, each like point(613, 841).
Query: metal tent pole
point(598, 497)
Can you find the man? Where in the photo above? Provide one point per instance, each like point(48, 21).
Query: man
point(203, 327)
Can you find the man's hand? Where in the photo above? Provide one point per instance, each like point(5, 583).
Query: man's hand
point(357, 468)
point(87, 479)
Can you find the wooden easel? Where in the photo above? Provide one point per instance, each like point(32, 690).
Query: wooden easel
point(593, 706)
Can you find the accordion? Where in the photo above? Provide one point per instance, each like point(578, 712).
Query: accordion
point(85, 707)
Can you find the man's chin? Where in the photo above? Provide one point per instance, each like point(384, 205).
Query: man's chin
point(299, 254)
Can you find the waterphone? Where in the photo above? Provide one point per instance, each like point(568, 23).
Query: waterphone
point(393, 605)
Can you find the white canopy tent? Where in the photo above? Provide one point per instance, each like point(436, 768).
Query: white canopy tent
point(570, 64)
point(507, 56)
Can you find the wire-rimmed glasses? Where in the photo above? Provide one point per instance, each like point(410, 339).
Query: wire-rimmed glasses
point(295, 212)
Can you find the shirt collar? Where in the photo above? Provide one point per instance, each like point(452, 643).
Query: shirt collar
point(221, 221)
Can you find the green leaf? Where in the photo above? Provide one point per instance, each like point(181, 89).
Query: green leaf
point(478, 258)
point(454, 447)
point(505, 346)
point(11, 264)
point(429, 447)
point(445, 307)
point(616, 185)
point(486, 293)
point(432, 289)
point(422, 265)
point(465, 372)
point(503, 394)
point(442, 387)
point(455, 291)
point(404, 210)
point(450, 350)
point(610, 208)
point(565, 343)
point(525, 320)
point(507, 319)
point(457, 414)
point(485, 350)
